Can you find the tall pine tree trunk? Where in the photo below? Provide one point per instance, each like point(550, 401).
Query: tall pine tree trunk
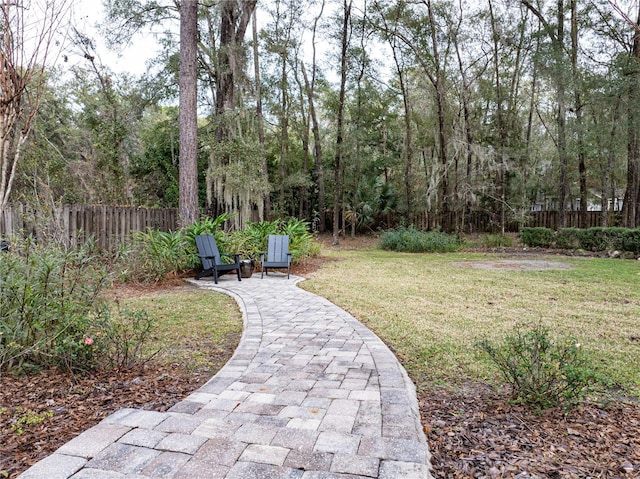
point(340, 127)
point(444, 199)
point(631, 210)
point(317, 141)
point(188, 114)
point(582, 165)
point(264, 166)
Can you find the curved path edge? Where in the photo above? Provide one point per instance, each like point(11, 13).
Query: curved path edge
point(310, 393)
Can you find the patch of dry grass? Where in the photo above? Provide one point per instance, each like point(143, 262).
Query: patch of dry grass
point(431, 312)
point(195, 328)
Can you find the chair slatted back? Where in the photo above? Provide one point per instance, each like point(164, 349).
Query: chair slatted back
point(207, 249)
point(278, 248)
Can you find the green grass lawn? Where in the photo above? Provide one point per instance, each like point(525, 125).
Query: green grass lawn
point(431, 312)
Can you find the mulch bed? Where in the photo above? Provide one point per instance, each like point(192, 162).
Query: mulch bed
point(476, 432)
point(473, 431)
point(77, 403)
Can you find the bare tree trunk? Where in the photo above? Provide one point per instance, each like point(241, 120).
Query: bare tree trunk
point(582, 166)
point(468, 133)
point(22, 78)
point(631, 209)
point(443, 192)
point(260, 118)
point(317, 141)
point(358, 121)
point(561, 120)
point(608, 190)
point(340, 132)
point(284, 128)
point(500, 182)
point(305, 135)
point(407, 126)
point(557, 40)
point(188, 114)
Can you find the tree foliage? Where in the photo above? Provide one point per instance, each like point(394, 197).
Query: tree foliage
point(447, 110)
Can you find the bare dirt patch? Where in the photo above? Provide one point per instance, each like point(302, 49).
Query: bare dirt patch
point(515, 264)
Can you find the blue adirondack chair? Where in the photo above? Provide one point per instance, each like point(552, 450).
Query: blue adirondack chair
point(277, 255)
point(212, 259)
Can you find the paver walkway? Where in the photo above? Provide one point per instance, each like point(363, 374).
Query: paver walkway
point(310, 393)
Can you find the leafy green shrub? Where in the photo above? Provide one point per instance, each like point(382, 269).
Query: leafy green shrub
point(602, 239)
point(52, 314)
point(541, 373)
point(253, 240)
point(537, 237)
point(154, 254)
point(411, 240)
point(569, 238)
point(207, 225)
point(47, 296)
point(497, 241)
point(121, 337)
point(302, 244)
point(631, 240)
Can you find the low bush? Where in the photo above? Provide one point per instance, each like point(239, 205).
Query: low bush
point(537, 237)
point(591, 239)
point(152, 255)
point(631, 240)
point(50, 298)
point(569, 238)
point(411, 240)
point(497, 241)
point(602, 239)
point(121, 337)
point(542, 373)
point(253, 240)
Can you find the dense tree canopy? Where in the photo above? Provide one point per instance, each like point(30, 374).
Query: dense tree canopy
point(370, 113)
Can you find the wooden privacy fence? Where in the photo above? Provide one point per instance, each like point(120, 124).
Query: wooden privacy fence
point(110, 226)
point(480, 222)
point(549, 219)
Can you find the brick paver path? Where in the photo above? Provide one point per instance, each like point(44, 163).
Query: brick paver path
point(310, 393)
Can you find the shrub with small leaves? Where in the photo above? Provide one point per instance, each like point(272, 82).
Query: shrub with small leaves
point(537, 237)
point(47, 297)
point(568, 238)
point(631, 240)
point(53, 313)
point(122, 337)
point(602, 239)
point(542, 373)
